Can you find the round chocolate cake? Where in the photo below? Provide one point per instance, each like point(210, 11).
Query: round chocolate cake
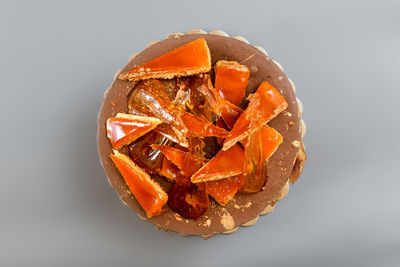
point(283, 166)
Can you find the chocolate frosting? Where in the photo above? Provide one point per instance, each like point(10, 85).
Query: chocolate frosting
point(245, 207)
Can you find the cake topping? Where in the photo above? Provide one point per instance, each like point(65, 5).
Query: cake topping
point(270, 104)
point(149, 193)
point(224, 190)
point(189, 59)
point(190, 130)
point(124, 128)
point(231, 79)
point(225, 164)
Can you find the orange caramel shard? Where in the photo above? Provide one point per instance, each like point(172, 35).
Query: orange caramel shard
point(271, 140)
point(125, 128)
point(197, 127)
point(149, 193)
point(222, 107)
point(169, 170)
point(270, 104)
point(224, 190)
point(176, 156)
point(189, 59)
point(231, 79)
point(225, 164)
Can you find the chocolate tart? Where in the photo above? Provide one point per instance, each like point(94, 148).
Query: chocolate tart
point(284, 165)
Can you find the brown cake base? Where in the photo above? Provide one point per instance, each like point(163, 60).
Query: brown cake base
point(245, 208)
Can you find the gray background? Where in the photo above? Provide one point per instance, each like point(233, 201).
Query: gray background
point(57, 59)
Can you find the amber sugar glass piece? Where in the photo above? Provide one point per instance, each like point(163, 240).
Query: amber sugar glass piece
point(225, 164)
point(186, 162)
point(169, 170)
point(190, 98)
point(145, 156)
point(150, 195)
point(231, 79)
point(224, 190)
point(176, 156)
point(271, 104)
point(255, 165)
point(125, 128)
point(196, 127)
point(188, 199)
point(191, 58)
point(172, 134)
point(221, 107)
point(150, 98)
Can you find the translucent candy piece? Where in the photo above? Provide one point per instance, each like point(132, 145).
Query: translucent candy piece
point(145, 156)
point(189, 200)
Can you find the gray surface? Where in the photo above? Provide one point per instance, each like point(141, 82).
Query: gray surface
point(57, 59)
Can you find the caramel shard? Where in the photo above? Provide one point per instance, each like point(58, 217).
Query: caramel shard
point(224, 190)
point(222, 107)
point(231, 79)
point(149, 193)
point(125, 128)
point(270, 104)
point(189, 59)
point(298, 165)
point(189, 200)
point(230, 113)
point(169, 170)
point(176, 156)
point(271, 139)
point(255, 166)
point(225, 164)
point(196, 127)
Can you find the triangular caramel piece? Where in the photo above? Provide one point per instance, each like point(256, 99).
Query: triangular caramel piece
point(189, 59)
point(270, 104)
point(125, 128)
point(225, 164)
point(224, 190)
point(148, 192)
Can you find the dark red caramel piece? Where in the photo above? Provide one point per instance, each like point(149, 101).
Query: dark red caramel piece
point(189, 59)
point(270, 104)
point(231, 79)
point(124, 128)
point(144, 155)
point(188, 199)
point(150, 195)
point(225, 164)
point(224, 190)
